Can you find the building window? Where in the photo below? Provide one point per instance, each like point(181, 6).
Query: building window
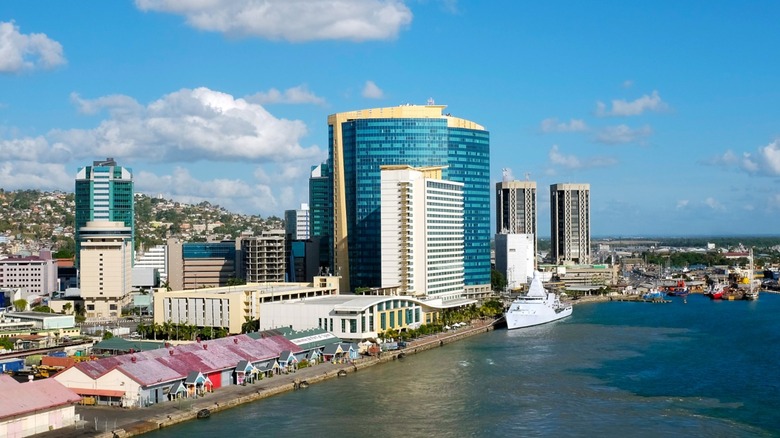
point(353, 325)
point(371, 323)
point(343, 325)
point(392, 319)
point(383, 321)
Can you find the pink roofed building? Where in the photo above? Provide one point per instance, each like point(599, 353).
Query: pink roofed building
point(148, 377)
point(34, 407)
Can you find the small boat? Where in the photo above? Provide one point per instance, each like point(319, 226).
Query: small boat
point(752, 292)
point(341, 373)
point(653, 295)
point(716, 291)
point(204, 413)
point(680, 290)
point(537, 306)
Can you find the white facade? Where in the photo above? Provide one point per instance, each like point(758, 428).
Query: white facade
point(298, 223)
point(114, 381)
point(515, 258)
point(353, 318)
point(36, 275)
point(422, 237)
point(155, 257)
point(106, 268)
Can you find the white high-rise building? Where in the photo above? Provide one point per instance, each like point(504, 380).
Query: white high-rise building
point(422, 232)
point(297, 223)
point(106, 268)
point(515, 258)
point(155, 257)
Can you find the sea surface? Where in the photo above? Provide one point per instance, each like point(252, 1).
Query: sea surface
point(622, 369)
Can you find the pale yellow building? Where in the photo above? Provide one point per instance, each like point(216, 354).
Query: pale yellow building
point(105, 275)
point(231, 306)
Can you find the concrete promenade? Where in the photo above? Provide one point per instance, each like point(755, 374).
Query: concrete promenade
point(110, 422)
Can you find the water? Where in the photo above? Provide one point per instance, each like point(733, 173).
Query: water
point(613, 369)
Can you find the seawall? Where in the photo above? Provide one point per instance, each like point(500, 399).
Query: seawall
point(140, 421)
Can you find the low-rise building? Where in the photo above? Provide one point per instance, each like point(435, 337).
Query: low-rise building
point(35, 407)
point(230, 307)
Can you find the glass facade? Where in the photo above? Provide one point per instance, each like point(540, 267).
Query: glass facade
point(418, 142)
point(104, 191)
point(321, 212)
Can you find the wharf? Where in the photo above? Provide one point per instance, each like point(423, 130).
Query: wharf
point(114, 422)
point(637, 298)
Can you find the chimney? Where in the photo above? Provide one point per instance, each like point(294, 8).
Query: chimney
point(133, 359)
point(170, 351)
point(235, 340)
point(205, 346)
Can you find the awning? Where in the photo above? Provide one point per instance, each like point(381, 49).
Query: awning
point(98, 392)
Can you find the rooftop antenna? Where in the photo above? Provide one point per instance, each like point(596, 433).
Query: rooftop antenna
point(527, 176)
point(431, 102)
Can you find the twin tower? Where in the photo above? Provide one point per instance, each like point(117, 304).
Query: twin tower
point(516, 213)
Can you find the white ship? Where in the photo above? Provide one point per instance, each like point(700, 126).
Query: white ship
point(537, 306)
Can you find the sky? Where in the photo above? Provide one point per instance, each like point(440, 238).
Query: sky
point(669, 110)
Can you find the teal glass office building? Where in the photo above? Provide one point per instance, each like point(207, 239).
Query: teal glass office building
point(104, 192)
point(417, 136)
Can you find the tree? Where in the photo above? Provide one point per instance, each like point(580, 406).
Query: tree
point(107, 335)
point(66, 308)
point(497, 280)
point(44, 309)
point(20, 305)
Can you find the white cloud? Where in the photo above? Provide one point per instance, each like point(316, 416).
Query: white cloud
point(187, 125)
point(18, 175)
point(372, 91)
point(553, 125)
point(682, 203)
point(713, 204)
point(573, 162)
point(628, 83)
point(19, 52)
point(636, 107)
point(765, 161)
point(299, 20)
point(232, 194)
point(115, 103)
point(294, 95)
point(622, 134)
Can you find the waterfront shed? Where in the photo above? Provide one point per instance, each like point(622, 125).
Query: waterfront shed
point(35, 407)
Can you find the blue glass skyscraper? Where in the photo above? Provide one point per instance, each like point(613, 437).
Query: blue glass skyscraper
point(419, 136)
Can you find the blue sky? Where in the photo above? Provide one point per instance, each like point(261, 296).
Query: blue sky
point(669, 110)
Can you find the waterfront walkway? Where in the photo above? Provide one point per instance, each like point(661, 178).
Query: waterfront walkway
point(110, 422)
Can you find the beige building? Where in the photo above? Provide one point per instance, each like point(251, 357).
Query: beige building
point(570, 223)
point(105, 275)
point(230, 307)
point(194, 265)
point(516, 208)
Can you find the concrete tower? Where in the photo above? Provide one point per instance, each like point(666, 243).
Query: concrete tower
point(570, 223)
